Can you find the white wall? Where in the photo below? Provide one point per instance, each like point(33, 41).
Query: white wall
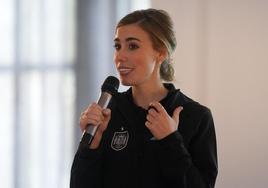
point(221, 61)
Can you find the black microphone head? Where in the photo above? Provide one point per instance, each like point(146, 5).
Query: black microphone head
point(110, 85)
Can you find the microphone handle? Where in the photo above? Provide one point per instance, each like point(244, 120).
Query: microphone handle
point(90, 131)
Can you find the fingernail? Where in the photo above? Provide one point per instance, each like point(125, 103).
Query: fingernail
point(152, 107)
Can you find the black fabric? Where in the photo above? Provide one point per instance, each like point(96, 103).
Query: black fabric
point(129, 157)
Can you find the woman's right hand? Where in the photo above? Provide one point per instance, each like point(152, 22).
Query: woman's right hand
point(95, 116)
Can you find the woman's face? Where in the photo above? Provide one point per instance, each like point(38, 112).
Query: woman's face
point(134, 56)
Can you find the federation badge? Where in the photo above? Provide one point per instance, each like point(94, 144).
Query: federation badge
point(119, 140)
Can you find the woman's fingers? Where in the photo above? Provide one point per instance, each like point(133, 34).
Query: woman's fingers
point(159, 122)
point(157, 107)
point(92, 115)
point(101, 128)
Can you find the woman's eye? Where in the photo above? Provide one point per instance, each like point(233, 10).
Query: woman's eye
point(117, 46)
point(133, 46)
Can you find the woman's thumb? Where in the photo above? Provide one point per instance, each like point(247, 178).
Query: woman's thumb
point(176, 114)
point(106, 112)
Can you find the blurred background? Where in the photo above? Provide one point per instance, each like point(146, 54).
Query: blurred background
point(54, 55)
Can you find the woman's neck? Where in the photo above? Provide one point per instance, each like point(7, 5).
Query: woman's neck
point(144, 95)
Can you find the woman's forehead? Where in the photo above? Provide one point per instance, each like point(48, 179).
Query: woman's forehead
point(131, 31)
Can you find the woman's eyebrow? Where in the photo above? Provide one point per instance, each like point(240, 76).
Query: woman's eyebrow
point(132, 38)
point(127, 39)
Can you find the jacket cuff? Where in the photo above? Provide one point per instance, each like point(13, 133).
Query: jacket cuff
point(87, 153)
point(172, 138)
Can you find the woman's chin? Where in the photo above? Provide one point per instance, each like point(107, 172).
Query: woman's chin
point(126, 83)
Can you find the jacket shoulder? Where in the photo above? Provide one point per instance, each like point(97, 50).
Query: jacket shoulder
point(193, 109)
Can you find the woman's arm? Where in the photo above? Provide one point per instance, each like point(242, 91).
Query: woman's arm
point(86, 168)
point(198, 163)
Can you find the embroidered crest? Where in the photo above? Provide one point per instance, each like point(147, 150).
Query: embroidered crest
point(119, 140)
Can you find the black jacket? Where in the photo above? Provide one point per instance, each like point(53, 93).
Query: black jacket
point(129, 157)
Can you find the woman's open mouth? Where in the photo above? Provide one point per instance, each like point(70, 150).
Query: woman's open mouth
point(124, 70)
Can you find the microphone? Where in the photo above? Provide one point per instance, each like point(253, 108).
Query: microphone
point(108, 89)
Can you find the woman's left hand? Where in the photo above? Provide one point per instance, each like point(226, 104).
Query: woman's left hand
point(160, 123)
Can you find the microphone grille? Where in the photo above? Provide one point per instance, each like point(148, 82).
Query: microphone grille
point(110, 85)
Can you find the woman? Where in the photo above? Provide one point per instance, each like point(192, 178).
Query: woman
point(151, 135)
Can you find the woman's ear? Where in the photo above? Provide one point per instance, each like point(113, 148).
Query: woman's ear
point(162, 55)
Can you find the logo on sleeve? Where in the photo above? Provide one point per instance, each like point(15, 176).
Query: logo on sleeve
point(119, 140)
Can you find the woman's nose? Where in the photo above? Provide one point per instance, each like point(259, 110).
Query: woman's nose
point(120, 56)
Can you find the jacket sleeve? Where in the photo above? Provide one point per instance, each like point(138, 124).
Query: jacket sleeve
point(86, 168)
point(195, 166)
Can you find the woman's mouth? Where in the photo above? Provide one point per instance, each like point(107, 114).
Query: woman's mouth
point(124, 70)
